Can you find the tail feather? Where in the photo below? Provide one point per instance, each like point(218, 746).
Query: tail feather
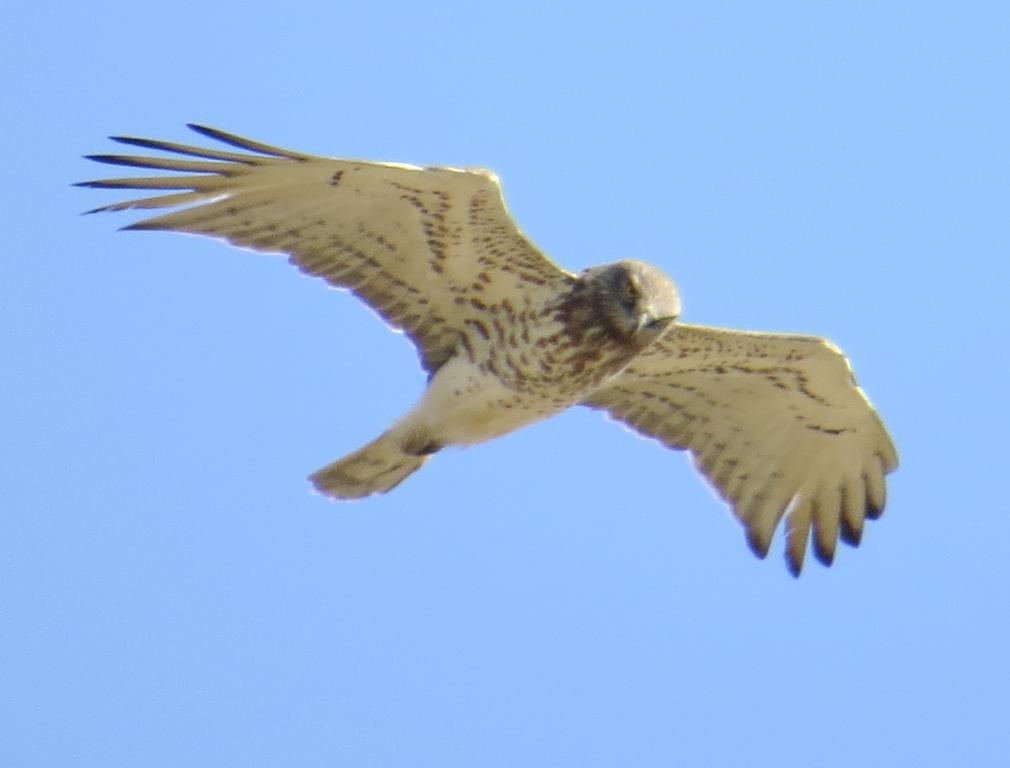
point(378, 467)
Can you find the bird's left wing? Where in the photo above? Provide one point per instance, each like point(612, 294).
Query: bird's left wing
point(430, 249)
point(775, 422)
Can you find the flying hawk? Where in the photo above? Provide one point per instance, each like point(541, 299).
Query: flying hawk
point(775, 422)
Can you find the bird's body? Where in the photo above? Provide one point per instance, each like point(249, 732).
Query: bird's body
point(466, 404)
point(520, 366)
point(776, 422)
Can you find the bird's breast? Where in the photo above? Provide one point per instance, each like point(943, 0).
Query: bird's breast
point(465, 403)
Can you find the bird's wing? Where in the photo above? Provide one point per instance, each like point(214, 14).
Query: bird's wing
point(775, 422)
point(429, 248)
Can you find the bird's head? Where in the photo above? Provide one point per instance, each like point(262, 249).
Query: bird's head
point(635, 299)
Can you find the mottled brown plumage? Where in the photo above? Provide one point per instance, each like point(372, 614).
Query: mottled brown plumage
point(775, 422)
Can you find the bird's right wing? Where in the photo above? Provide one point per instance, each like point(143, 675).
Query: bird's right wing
point(429, 248)
point(775, 422)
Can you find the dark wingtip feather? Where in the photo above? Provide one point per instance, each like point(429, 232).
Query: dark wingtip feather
point(136, 141)
point(139, 226)
point(88, 184)
point(824, 553)
point(850, 535)
point(229, 138)
point(110, 184)
point(186, 149)
point(758, 545)
point(795, 566)
point(112, 160)
point(873, 512)
point(246, 144)
point(875, 502)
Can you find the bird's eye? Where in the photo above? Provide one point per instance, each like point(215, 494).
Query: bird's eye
point(629, 291)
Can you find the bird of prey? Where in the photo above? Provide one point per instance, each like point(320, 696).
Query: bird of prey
point(775, 422)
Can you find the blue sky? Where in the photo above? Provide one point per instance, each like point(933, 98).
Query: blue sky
point(571, 595)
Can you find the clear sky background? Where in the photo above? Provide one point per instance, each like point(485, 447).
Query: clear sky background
point(171, 592)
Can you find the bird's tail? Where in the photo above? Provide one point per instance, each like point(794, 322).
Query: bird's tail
point(378, 467)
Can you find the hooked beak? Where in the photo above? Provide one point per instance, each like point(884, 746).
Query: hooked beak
point(648, 320)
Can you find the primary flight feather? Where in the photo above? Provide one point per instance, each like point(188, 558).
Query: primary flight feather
point(775, 422)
